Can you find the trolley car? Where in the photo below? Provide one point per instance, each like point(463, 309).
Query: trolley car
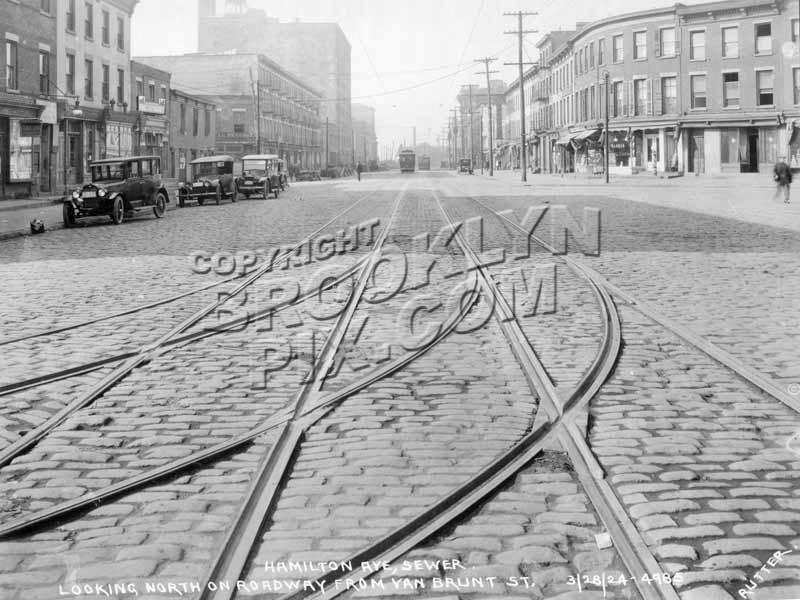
point(424, 163)
point(407, 161)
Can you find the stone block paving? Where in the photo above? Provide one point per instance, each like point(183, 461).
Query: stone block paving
point(533, 538)
point(392, 449)
point(700, 460)
point(161, 536)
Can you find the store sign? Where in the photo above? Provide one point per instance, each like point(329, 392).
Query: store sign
point(119, 140)
point(20, 153)
point(153, 108)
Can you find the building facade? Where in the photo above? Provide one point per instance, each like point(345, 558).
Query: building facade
point(93, 79)
point(27, 97)
point(289, 123)
point(192, 133)
point(150, 93)
point(317, 53)
point(706, 88)
point(365, 141)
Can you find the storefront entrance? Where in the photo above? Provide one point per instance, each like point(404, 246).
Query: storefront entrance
point(751, 165)
point(697, 161)
point(651, 146)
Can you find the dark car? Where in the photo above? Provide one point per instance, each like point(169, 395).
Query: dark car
point(120, 188)
point(209, 178)
point(465, 166)
point(262, 174)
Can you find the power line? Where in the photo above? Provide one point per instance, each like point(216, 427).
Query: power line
point(520, 32)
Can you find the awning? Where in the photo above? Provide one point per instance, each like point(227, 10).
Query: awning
point(564, 139)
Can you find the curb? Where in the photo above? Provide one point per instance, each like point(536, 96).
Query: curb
point(33, 204)
point(9, 235)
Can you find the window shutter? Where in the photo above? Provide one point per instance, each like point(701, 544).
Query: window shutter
point(649, 100)
point(657, 96)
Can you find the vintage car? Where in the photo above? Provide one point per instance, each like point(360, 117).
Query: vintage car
point(465, 166)
point(208, 178)
point(120, 188)
point(262, 174)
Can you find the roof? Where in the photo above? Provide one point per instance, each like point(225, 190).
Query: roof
point(106, 161)
point(210, 159)
point(260, 157)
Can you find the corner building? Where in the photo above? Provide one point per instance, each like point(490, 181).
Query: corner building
point(707, 88)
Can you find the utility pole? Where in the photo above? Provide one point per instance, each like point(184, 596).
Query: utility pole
point(471, 135)
point(257, 94)
point(486, 62)
point(519, 33)
point(607, 144)
point(455, 135)
point(326, 143)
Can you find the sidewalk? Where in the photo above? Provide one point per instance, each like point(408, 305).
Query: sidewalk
point(16, 215)
point(746, 197)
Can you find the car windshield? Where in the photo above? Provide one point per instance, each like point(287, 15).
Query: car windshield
point(212, 168)
point(257, 168)
point(108, 172)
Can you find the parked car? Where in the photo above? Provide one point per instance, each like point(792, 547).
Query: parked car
point(308, 176)
point(465, 166)
point(262, 174)
point(209, 177)
point(120, 188)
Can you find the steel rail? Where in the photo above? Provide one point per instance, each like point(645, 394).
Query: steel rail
point(234, 552)
point(147, 351)
point(489, 479)
point(709, 348)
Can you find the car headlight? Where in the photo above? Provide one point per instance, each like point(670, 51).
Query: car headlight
point(75, 195)
point(181, 184)
point(101, 192)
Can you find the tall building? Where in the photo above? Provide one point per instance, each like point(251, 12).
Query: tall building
point(702, 88)
point(246, 85)
point(27, 97)
point(317, 53)
point(364, 138)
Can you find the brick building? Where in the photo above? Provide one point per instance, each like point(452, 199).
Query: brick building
point(316, 53)
point(27, 97)
point(150, 89)
point(711, 87)
point(236, 83)
point(193, 131)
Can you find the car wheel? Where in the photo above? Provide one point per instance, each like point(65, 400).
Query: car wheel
point(201, 201)
point(181, 200)
point(218, 195)
point(266, 190)
point(69, 215)
point(234, 193)
point(118, 211)
point(276, 190)
point(160, 207)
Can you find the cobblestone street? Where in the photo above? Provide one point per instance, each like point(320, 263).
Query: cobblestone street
point(393, 388)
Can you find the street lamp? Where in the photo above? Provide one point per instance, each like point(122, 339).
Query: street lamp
point(607, 77)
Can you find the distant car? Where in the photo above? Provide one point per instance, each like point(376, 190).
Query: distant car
point(262, 174)
point(120, 188)
point(465, 166)
point(308, 176)
point(209, 178)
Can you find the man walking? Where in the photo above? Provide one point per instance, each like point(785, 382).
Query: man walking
point(359, 168)
point(783, 178)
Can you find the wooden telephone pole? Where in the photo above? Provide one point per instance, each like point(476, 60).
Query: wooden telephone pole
point(519, 33)
point(486, 62)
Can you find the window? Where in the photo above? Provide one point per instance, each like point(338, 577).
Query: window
point(133, 169)
point(795, 30)
point(195, 121)
point(765, 82)
point(120, 33)
point(12, 72)
point(44, 6)
point(89, 20)
point(698, 88)
point(120, 86)
point(70, 74)
point(591, 55)
point(238, 120)
point(669, 95)
point(697, 43)
point(796, 78)
point(106, 30)
point(207, 123)
point(164, 96)
point(183, 119)
point(639, 45)
point(106, 82)
point(730, 89)
point(601, 48)
point(617, 92)
point(730, 42)
point(146, 168)
point(667, 41)
point(763, 38)
point(640, 93)
point(88, 83)
point(616, 48)
point(152, 90)
point(44, 72)
point(729, 151)
point(71, 15)
point(139, 87)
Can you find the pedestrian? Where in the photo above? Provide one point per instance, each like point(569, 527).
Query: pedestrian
point(359, 168)
point(782, 175)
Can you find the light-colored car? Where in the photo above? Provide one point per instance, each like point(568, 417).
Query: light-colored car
point(209, 178)
point(262, 174)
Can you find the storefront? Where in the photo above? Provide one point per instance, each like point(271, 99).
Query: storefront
point(20, 146)
point(793, 129)
point(81, 140)
point(619, 153)
point(749, 149)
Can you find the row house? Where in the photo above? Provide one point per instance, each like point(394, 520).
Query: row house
point(711, 87)
point(150, 93)
point(193, 131)
point(93, 84)
point(262, 107)
point(27, 97)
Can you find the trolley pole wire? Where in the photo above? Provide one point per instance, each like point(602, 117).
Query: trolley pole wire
point(486, 60)
point(520, 63)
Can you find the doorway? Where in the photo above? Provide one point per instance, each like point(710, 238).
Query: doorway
point(651, 146)
point(697, 163)
point(3, 156)
point(751, 166)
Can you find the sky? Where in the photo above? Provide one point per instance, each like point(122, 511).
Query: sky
point(409, 58)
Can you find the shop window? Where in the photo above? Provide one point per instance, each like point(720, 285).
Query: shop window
point(765, 82)
point(667, 41)
point(698, 88)
point(12, 72)
point(669, 95)
point(763, 38)
point(697, 42)
point(639, 45)
point(730, 90)
point(730, 42)
point(729, 152)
